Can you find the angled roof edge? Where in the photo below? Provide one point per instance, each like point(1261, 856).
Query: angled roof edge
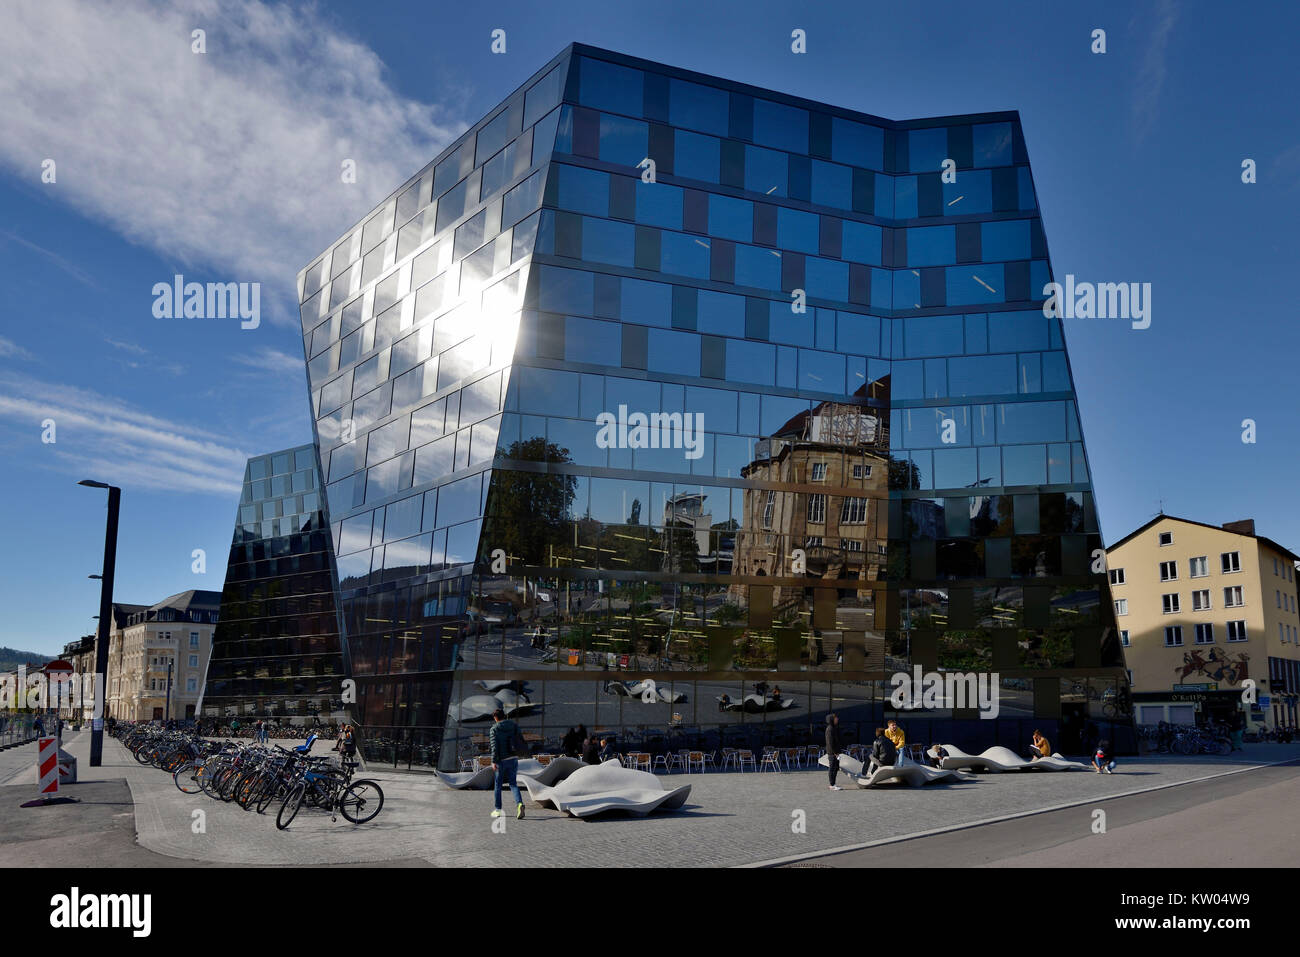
point(1218, 528)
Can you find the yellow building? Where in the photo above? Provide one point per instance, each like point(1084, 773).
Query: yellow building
point(1201, 610)
point(158, 655)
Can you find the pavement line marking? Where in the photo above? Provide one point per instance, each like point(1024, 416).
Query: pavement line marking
point(809, 855)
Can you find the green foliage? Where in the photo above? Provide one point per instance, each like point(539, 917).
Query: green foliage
point(12, 658)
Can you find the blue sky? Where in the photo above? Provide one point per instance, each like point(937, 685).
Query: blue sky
point(224, 167)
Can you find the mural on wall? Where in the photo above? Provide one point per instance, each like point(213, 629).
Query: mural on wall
point(1220, 666)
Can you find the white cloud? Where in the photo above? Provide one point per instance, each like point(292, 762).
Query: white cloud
point(145, 359)
point(107, 439)
point(12, 350)
point(1150, 82)
point(272, 360)
point(226, 161)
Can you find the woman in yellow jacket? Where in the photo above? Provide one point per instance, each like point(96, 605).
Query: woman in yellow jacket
point(895, 734)
point(1041, 748)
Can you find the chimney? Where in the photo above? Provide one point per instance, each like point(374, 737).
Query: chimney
point(1244, 527)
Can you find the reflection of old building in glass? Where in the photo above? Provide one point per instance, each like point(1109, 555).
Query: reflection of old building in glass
point(685, 518)
point(835, 447)
point(276, 653)
point(913, 431)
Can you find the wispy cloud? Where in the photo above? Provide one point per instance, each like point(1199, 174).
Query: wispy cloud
point(115, 442)
point(12, 350)
point(78, 274)
point(226, 161)
point(272, 360)
point(144, 358)
point(1149, 85)
point(1284, 168)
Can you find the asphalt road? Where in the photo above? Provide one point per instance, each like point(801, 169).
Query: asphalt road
point(1237, 820)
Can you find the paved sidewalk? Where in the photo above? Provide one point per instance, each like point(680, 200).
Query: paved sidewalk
point(730, 819)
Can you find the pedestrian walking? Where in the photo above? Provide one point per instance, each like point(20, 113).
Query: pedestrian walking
point(833, 747)
point(504, 742)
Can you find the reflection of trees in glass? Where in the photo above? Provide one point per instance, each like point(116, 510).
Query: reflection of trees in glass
point(903, 474)
point(1047, 648)
point(530, 510)
point(965, 650)
point(683, 548)
point(628, 548)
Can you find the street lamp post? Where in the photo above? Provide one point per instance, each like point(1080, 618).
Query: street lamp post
point(167, 702)
point(105, 619)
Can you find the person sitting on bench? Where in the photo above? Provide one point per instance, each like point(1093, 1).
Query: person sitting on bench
point(895, 734)
point(1040, 748)
point(883, 753)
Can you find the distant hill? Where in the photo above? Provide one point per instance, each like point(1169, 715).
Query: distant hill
point(11, 658)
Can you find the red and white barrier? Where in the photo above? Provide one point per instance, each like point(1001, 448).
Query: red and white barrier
point(47, 766)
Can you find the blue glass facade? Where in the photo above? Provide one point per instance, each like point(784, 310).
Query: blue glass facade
point(276, 652)
point(778, 408)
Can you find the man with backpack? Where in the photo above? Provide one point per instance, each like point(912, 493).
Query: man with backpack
point(505, 742)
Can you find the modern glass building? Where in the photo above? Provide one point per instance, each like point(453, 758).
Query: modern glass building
point(655, 377)
point(276, 652)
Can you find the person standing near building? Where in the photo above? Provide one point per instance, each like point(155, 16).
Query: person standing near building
point(504, 741)
point(591, 750)
point(833, 748)
point(1237, 730)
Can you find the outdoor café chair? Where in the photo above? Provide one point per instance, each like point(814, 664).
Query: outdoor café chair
point(743, 758)
point(772, 759)
point(793, 758)
point(695, 759)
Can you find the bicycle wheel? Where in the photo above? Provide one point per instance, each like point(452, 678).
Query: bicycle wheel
point(272, 791)
point(361, 801)
point(289, 809)
point(175, 760)
point(187, 778)
point(1222, 747)
point(207, 778)
point(226, 785)
point(246, 793)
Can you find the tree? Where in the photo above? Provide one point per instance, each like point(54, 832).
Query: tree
point(527, 511)
point(903, 474)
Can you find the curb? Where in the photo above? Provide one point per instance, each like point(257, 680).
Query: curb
point(829, 852)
